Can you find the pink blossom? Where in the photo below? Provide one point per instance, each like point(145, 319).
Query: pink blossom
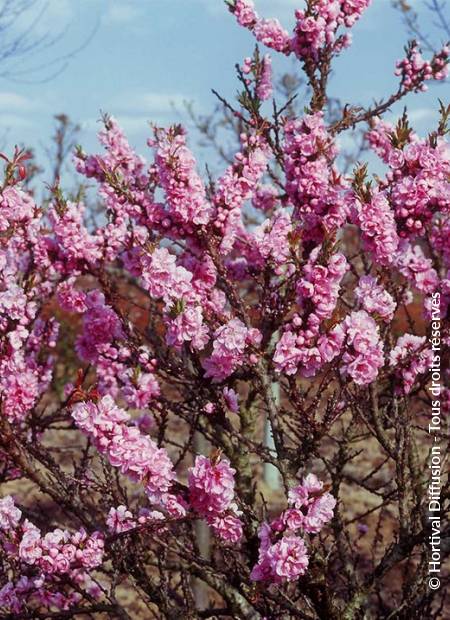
point(317, 28)
point(227, 527)
point(231, 399)
point(272, 239)
point(100, 326)
point(272, 34)
point(264, 87)
point(245, 12)
point(416, 267)
point(285, 560)
point(265, 197)
point(378, 228)
point(74, 244)
point(375, 299)
point(184, 189)
point(9, 514)
point(316, 505)
point(139, 389)
point(120, 519)
point(363, 356)
point(236, 186)
point(313, 185)
point(30, 550)
point(211, 494)
point(287, 355)
point(229, 345)
point(135, 454)
point(414, 70)
point(71, 299)
point(410, 358)
point(211, 487)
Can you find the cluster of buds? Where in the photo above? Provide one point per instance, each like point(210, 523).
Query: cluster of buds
point(414, 70)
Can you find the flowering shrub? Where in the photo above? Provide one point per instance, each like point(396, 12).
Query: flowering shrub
point(145, 360)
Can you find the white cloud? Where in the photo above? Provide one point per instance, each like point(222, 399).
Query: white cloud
point(151, 103)
point(121, 13)
point(14, 121)
point(13, 102)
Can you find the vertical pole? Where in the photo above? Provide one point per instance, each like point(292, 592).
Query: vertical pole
point(271, 473)
point(203, 537)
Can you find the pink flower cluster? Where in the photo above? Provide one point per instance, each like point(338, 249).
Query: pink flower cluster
point(55, 552)
point(267, 31)
point(229, 349)
point(164, 279)
point(280, 561)
point(313, 184)
point(414, 70)
point(119, 157)
point(320, 286)
point(177, 175)
point(46, 558)
point(264, 86)
point(211, 495)
point(71, 242)
point(416, 267)
point(301, 345)
point(99, 344)
point(262, 73)
point(410, 358)
point(378, 227)
point(16, 206)
point(175, 285)
point(24, 374)
point(124, 185)
point(139, 388)
point(417, 180)
point(311, 506)
point(59, 551)
point(47, 592)
point(283, 554)
point(420, 186)
point(121, 519)
point(137, 455)
point(363, 356)
point(272, 241)
point(25, 281)
point(101, 326)
point(375, 299)
point(439, 236)
point(316, 27)
point(10, 515)
point(236, 186)
point(265, 197)
point(70, 298)
point(358, 340)
point(379, 138)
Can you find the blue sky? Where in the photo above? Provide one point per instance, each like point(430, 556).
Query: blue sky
point(146, 54)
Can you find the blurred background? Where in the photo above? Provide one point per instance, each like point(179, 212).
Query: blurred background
point(143, 60)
